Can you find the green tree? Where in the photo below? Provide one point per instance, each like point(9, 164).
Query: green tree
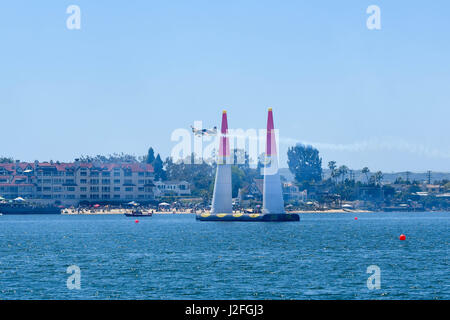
point(111, 158)
point(366, 172)
point(304, 163)
point(379, 177)
point(199, 174)
point(332, 167)
point(342, 172)
point(6, 160)
point(346, 190)
point(150, 156)
point(242, 160)
point(237, 180)
point(399, 180)
point(158, 167)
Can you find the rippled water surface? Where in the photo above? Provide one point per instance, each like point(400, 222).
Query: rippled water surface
point(324, 256)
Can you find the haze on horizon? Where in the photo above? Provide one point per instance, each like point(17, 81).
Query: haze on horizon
point(134, 73)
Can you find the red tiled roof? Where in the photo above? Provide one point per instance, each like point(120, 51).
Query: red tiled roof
point(134, 167)
point(137, 167)
point(45, 164)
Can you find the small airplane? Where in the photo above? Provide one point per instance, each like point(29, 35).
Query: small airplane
point(204, 132)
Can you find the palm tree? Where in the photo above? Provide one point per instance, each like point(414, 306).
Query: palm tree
point(343, 170)
point(332, 167)
point(366, 171)
point(378, 177)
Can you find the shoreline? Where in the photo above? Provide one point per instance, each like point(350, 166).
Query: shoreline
point(123, 211)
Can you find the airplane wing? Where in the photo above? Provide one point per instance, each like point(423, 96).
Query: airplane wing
point(211, 132)
point(196, 131)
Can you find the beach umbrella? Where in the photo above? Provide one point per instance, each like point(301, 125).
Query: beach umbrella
point(164, 204)
point(19, 199)
point(1, 198)
point(96, 206)
point(133, 203)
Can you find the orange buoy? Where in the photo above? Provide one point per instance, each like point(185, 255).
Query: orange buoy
point(402, 237)
point(136, 221)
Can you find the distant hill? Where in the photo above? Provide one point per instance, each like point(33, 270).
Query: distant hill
point(416, 176)
point(387, 176)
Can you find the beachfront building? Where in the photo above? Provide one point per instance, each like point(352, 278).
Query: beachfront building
point(433, 188)
point(16, 181)
point(291, 192)
point(72, 183)
point(175, 188)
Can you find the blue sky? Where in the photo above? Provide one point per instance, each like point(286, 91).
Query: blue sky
point(138, 70)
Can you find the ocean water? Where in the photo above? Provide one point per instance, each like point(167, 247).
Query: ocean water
point(324, 256)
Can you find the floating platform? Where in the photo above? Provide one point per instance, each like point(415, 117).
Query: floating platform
point(138, 214)
point(245, 217)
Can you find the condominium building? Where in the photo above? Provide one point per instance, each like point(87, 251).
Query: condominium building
point(72, 183)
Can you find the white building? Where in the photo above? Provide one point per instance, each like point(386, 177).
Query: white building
point(292, 192)
point(177, 188)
